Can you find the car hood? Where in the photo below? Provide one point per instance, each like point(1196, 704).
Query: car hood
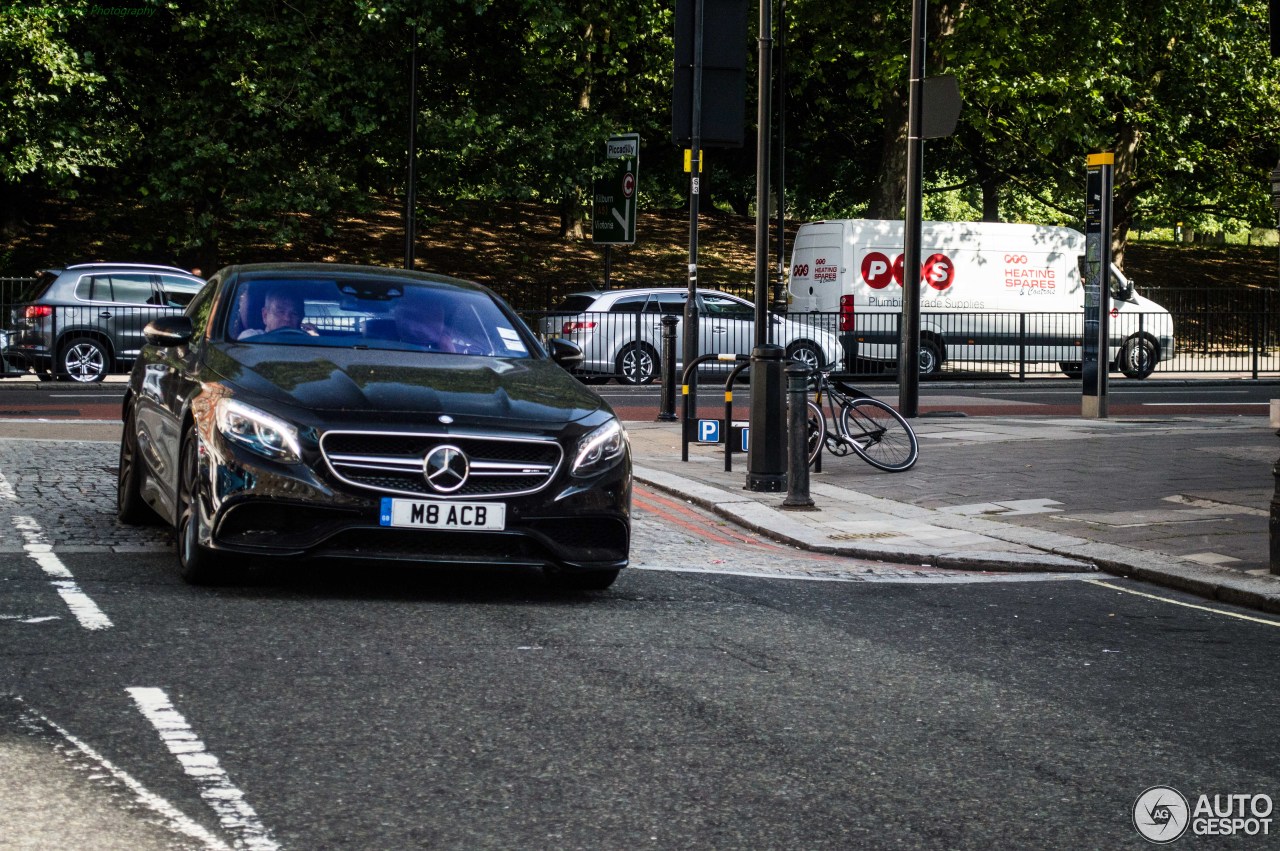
point(407, 385)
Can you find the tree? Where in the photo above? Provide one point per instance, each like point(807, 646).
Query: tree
point(53, 125)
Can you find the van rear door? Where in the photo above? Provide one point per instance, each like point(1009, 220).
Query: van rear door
point(817, 267)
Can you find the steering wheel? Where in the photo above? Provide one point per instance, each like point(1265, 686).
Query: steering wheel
point(282, 333)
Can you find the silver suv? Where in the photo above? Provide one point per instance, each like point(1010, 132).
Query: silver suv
point(86, 321)
point(620, 331)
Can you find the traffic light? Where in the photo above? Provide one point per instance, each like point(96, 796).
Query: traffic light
point(724, 59)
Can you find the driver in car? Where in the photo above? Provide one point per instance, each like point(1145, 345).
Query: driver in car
point(281, 310)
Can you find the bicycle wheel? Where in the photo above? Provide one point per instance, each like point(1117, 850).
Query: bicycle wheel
point(817, 430)
point(880, 435)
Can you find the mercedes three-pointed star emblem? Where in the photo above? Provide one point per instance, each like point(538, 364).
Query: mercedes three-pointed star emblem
point(445, 468)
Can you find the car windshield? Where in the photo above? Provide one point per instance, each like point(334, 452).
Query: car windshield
point(371, 313)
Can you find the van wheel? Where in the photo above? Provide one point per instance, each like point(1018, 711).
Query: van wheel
point(637, 363)
point(1071, 369)
point(1137, 357)
point(930, 357)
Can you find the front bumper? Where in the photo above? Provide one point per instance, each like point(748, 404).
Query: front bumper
point(300, 511)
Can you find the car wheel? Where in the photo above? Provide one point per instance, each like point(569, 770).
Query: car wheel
point(197, 564)
point(579, 580)
point(83, 360)
point(637, 363)
point(806, 353)
point(1071, 369)
point(1137, 357)
point(930, 358)
point(130, 507)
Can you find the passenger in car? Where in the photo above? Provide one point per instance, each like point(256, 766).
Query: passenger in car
point(281, 310)
point(420, 320)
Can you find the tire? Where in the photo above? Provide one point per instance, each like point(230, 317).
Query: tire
point(561, 579)
point(1071, 369)
point(1137, 357)
point(130, 507)
point(930, 358)
point(197, 565)
point(637, 363)
point(83, 360)
point(806, 353)
point(817, 431)
point(880, 435)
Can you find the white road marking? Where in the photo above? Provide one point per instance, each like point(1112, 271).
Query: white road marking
point(1180, 603)
point(215, 787)
point(174, 818)
point(39, 551)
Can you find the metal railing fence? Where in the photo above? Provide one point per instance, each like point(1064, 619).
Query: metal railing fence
point(992, 343)
point(1233, 331)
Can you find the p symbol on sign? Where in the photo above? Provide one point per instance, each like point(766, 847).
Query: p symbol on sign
point(708, 431)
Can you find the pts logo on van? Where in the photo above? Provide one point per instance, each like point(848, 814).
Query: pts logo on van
point(878, 271)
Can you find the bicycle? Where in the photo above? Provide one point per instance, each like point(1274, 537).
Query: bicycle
point(861, 424)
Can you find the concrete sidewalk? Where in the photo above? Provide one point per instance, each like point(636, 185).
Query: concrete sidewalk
point(1182, 502)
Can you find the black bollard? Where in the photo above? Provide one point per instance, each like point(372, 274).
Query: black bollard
point(667, 413)
point(766, 449)
point(798, 438)
point(1275, 518)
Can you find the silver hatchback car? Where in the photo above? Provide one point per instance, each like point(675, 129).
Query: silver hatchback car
point(620, 331)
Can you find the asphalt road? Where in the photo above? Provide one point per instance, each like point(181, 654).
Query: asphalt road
point(727, 693)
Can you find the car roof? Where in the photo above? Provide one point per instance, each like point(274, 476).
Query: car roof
point(345, 269)
point(153, 266)
point(647, 291)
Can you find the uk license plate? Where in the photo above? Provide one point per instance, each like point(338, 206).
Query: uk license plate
point(431, 514)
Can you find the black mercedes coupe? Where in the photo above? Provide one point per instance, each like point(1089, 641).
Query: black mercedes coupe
point(303, 411)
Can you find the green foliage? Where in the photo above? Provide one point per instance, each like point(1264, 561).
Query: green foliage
point(251, 117)
point(54, 120)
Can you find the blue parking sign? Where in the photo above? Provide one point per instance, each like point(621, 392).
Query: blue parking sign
point(708, 431)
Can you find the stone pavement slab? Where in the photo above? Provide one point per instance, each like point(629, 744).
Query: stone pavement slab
point(1177, 501)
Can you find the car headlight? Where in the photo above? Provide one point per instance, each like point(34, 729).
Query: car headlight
point(258, 431)
point(600, 449)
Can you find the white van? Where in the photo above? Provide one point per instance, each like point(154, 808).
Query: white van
point(989, 292)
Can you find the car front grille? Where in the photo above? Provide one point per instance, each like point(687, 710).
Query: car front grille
point(393, 462)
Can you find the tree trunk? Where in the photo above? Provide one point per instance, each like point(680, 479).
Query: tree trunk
point(890, 198)
point(990, 182)
point(571, 224)
point(1126, 190)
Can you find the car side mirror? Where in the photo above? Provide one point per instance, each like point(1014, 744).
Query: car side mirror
point(564, 352)
point(169, 331)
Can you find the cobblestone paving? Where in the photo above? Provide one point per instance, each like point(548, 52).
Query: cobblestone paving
point(69, 487)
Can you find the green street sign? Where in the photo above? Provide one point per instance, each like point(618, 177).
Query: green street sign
point(613, 217)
